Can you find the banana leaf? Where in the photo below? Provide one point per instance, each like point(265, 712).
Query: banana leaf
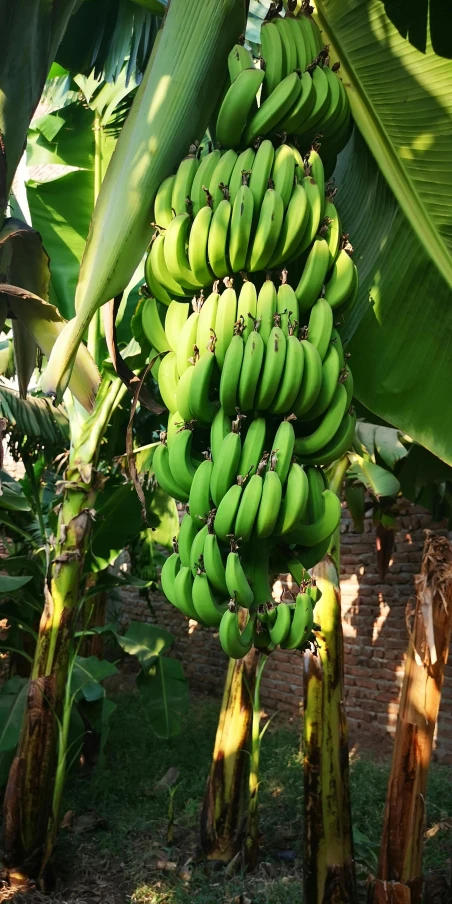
point(31, 33)
point(33, 417)
point(394, 194)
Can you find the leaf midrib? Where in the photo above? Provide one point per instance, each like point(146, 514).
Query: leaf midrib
point(390, 164)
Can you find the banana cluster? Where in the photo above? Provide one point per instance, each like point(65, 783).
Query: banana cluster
point(246, 274)
point(294, 92)
point(258, 211)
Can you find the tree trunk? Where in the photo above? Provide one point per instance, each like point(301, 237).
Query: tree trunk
point(224, 809)
point(30, 819)
point(95, 610)
point(329, 872)
point(251, 848)
point(400, 864)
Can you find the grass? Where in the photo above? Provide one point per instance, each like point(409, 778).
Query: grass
point(122, 858)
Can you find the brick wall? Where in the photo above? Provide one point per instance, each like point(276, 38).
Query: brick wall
point(375, 637)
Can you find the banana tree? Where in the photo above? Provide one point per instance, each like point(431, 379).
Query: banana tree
point(394, 198)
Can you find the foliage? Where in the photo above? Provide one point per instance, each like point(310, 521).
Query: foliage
point(394, 196)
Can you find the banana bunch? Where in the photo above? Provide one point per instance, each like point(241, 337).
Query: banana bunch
point(246, 275)
point(257, 211)
point(294, 92)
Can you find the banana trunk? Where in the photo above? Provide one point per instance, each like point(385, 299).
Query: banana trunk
point(29, 817)
point(252, 836)
point(328, 848)
point(224, 810)
point(400, 864)
point(171, 110)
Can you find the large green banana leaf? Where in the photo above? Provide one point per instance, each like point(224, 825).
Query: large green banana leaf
point(395, 198)
point(31, 33)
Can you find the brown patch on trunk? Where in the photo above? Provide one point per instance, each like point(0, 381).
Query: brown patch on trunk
point(329, 874)
point(223, 814)
point(402, 840)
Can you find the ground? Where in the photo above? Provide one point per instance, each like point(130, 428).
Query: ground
point(115, 848)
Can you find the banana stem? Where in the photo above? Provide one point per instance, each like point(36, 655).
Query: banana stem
point(252, 839)
point(94, 329)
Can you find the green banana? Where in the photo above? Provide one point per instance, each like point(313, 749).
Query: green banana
point(187, 533)
point(314, 168)
point(241, 172)
point(226, 464)
point(230, 375)
point(313, 534)
point(163, 208)
point(320, 326)
point(280, 628)
point(247, 307)
point(221, 426)
point(282, 450)
point(248, 508)
point(311, 380)
point(283, 173)
point(235, 642)
point(289, 385)
point(187, 342)
point(157, 264)
point(225, 323)
point(199, 500)
point(347, 379)
point(315, 205)
point(310, 555)
point(301, 624)
point(314, 274)
point(267, 231)
point(208, 611)
point(176, 315)
point(273, 108)
point(267, 301)
point(294, 120)
point(218, 240)
point(260, 174)
point(236, 106)
point(221, 176)
point(183, 592)
point(168, 380)
point(176, 259)
point(175, 422)
point(340, 444)
point(202, 408)
point(206, 323)
point(341, 280)
point(328, 426)
point(152, 325)
point(239, 59)
point(333, 232)
point(226, 513)
point(197, 549)
point(315, 499)
point(180, 460)
point(289, 47)
point(183, 183)
point(183, 393)
point(213, 562)
point(272, 55)
point(168, 574)
point(322, 96)
point(164, 475)
point(275, 356)
point(241, 226)
point(253, 447)
point(330, 377)
point(270, 504)
point(294, 225)
point(237, 582)
point(155, 288)
point(287, 308)
point(303, 59)
point(197, 246)
point(248, 375)
point(336, 339)
point(295, 500)
point(305, 24)
point(202, 179)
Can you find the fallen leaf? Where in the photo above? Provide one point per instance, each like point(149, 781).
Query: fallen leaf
point(170, 777)
point(88, 822)
point(68, 819)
